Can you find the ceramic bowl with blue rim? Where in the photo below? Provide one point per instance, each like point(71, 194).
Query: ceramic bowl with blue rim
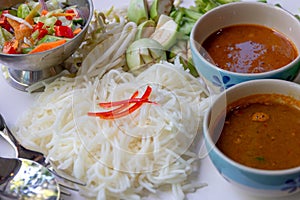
point(239, 13)
point(259, 182)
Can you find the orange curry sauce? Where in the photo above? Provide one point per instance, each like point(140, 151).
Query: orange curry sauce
point(263, 131)
point(249, 49)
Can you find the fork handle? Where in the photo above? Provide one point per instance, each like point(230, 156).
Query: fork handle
point(31, 155)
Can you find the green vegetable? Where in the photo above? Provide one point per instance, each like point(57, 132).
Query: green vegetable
point(23, 11)
point(142, 53)
point(177, 16)
point(78, 21)
point(165, 32)
point(4, 36)
point(225, 1)
point(187, 17)
point(186, 26)
point(191, 14)
point(35, 34)
point(182, 50)
point(145, 29)
point(48, 21)
point(49, 38)
point(26, 50)
point(138, 11)
point(159, 7)
point(206, 5)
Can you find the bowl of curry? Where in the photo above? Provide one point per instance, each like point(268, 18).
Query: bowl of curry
point(252, 136)
point(230, 44)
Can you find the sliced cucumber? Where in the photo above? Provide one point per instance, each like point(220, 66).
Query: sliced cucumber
point(142, 53)
point(159, 7)
point(138, 11)
point(145, 29)
point(165, 32)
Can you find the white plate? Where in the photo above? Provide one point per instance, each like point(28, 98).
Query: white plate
point(13, 103)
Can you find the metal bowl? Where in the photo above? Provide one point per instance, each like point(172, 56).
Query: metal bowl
point(23, 70)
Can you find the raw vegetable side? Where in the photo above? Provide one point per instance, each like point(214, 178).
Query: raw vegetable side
point(158, 32)
point(30, 26)
point(168, 24)
point(114, 28)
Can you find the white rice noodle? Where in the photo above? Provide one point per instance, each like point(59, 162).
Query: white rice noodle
point(121, 158)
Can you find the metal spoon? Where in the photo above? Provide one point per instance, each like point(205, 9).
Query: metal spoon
point(23, 178)
point(22, 152)
point(26, 179)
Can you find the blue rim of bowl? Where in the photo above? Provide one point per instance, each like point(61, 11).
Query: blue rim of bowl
point(248, 75)
point(208, 138)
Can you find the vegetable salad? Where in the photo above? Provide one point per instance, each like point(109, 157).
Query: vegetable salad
point(33, 27)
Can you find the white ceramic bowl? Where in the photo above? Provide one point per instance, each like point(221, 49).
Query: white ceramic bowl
point(243, 13)
point(272, 183)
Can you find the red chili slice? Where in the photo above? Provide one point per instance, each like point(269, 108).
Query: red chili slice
point(108, 105)
point(120, 112)
point(124, 102)
point(112, 104)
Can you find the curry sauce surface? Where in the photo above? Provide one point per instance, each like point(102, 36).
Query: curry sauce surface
point(263, 132)
point(249, 48)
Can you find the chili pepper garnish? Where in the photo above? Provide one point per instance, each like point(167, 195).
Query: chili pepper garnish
point(122, 106)
point(124, 102)
point(123, 109)
point(109, 105)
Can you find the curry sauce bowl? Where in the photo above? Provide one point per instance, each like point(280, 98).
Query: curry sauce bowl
point(257, 181)
point(248, 48)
